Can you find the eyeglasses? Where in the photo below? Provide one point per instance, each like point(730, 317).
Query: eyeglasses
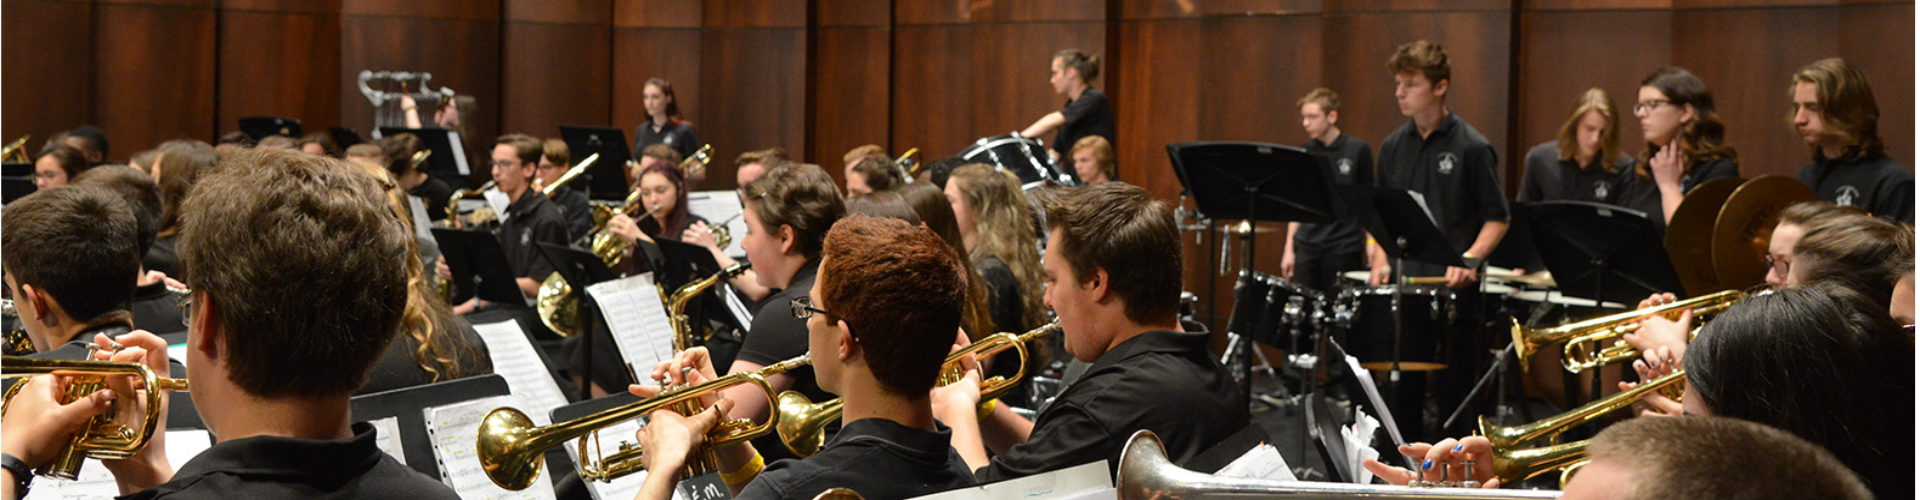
point(803, 309)
point(1778, 264)
point(1645, 106)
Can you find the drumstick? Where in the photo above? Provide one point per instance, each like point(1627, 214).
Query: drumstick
point(1426, 280)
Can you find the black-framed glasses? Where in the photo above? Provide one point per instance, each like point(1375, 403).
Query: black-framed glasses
point(1650, 105)
point(803, 309)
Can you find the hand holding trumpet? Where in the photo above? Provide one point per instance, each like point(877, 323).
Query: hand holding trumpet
point(1448, 463)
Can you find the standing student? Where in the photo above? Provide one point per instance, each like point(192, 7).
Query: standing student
point(1316, 254)
point(665, 124)
point(1087, 111)
point(1834, 111)
point(1686, 142)
point(1583, 162)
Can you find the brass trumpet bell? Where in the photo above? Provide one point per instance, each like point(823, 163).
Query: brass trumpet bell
point(1581, 338)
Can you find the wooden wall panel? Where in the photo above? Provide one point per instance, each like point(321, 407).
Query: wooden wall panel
point(47, 43)
point(913, 12)
point(1747, 57)
point(278, 63)
point(555, 74)
point(954, 84)
point(148, 87)
point(656, 13)
point(754, 95)
point(1249, 95)
point(853, 91)
point(643, 53)
point(1879, 40)
point(1162, 95)
point(1562, 54)
point(463, 54)
point(1191, 9)
point(931, 105)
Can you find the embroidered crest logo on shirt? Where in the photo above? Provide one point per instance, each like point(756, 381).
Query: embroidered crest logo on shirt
point(1846, 197)
point(526, 236)
point(1346, 166)
point(1446, 163)
point(1600, 190)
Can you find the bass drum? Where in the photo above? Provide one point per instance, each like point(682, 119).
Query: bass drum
point(1024, 156)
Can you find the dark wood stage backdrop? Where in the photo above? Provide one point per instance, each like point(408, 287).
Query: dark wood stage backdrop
point(819, 77)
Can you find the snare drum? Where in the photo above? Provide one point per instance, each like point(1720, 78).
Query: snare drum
point(1264, 305)
point(1024, 156)
point(1425, 314)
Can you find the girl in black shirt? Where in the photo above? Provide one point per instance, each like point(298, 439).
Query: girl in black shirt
point(664, 123)
point(1686, 142)
point(1087, 111)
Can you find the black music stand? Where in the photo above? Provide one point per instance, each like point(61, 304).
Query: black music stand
point(16, 180)
point(479, 267)
point(581, 269)
point(408, 405)
point(344, 137)
point(1615, 252)
point(1254, 182)
point(1405, 231)
point(259, 127)
point(607, 178)
point(449, 159)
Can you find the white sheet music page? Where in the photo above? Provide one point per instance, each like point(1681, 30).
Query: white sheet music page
point(1261, 462)
point(717, 206)
point(1089, 480)
point(515, 360)
point(1359, 440)
point(638, 320)
point(454, 428)
point(621, 488)
point(96, 482)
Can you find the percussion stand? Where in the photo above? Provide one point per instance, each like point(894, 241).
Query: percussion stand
point(1265, 182)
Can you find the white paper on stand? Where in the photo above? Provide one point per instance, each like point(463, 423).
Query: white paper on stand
point(1261, 462)
point(1082, 482)
point(453, 430)
point(638, 320)
point(515, 360)
point(95, 482)
point(386, 432)
point(1359, 440)
point(717, 206)
point(1373, 395)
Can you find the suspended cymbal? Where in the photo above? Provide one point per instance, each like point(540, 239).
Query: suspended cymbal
point(1689, 238)
point(1745, 224)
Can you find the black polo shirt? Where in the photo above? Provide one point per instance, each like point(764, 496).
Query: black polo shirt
point(1549, 178)
point(877, 458)
point(1643, 194)
point(161, 257)
point(1091, 114)
point(1162, 381)
point(532, 218)
point(1454, 169)
point(575, 210)
point(436, 193)
point(677, 134)
point(1875, 182)
point(279, 467)
point(157, 310)
point(776, 336)
point(1352, 164)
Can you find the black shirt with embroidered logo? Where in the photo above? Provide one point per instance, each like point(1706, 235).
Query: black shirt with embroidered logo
point(436, 193)
point(1874, 182)
point(1091, 114)
point(532, 218)
point(677, 134)
point(280, 467)
point(1163, 381)
point(877, 458)
point(1549, 178)
point(156, 309)
point(575, 210)
point(1643, 193)
point(777, 336)
point(1352, 164)
point(1453, 169)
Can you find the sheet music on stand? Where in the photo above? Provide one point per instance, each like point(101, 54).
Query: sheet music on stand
point(454, 428)
point(1261, 462)
point(638, 320)
point(96, 482)
point(1089, 480)
point(740, 310)
point(1373, 396)
point(717, 206)
point(386, 432)
point(498, 202)
point(516, 361)
point(1359, 437)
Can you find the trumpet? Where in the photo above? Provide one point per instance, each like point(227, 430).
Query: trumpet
point(16, 151)
point(102, 438)
point(17, 342)
point(803, 424)
point(1511, 463)
point(1145, 473)
point(511, 447)
point(1582, 338)
point(697, 162)
point(907, 166)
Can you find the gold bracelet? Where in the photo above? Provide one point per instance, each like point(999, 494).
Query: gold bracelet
point(745, 473)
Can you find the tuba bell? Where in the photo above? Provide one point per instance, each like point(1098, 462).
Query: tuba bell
point(102, 438)
point(1145, 473)
point(803, 423)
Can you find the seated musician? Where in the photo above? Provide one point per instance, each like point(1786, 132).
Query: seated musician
point(58, 166)
point(872, 174)
point(555, 159)
point(70, 255)
point(155, 309)
point(1113, 268)
point(752, 165)
point(176, 168)
point(1853, 252)
point(530, 216)
point(1817, 361)
point(879, 325)
point(275, 352)
point(1659, 458)
point(651, 156)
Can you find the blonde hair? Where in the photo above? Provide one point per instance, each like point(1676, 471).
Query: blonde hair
point(1102, 153)
point(1593, 100)
point(1003, 228)
point(438, 348)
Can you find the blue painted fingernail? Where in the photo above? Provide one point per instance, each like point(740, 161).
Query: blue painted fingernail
point(1426, 465)
point(1458, 447)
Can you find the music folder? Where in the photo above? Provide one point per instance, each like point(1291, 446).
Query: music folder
point(449, 158)
point(407, 405)
point(479, 267)
point(607, 178)
point(16, 180)
point(259, 127)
